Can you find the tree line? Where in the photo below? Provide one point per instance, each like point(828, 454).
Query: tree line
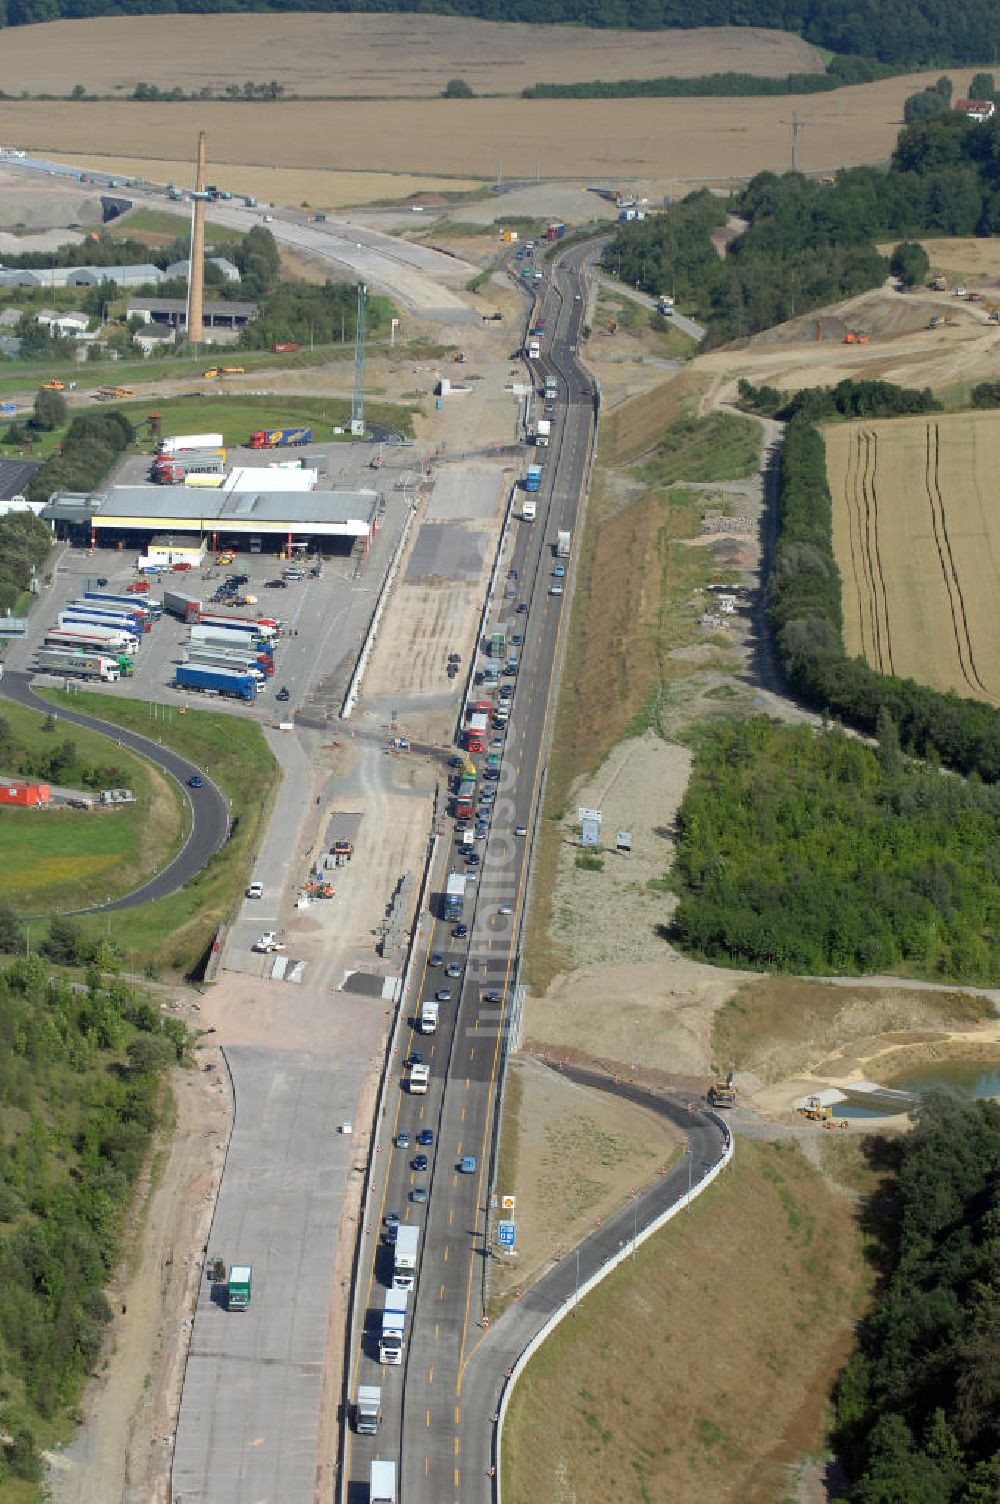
point(810, 242)
point(815, 853)
point(917, 1405)
point(80, 1075)
point(911, 32)
point(840, 72)
point(804, 596)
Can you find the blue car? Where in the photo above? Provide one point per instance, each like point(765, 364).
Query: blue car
point(425, 1137)
point(194, 782)
point(559, 572)
point(467, 1164)
point(418, 1162)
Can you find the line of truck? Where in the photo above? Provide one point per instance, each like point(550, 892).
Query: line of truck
point(96, 637)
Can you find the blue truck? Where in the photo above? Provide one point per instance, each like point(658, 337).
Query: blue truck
point(217, 681)
point(533, 479)
point(130, 602)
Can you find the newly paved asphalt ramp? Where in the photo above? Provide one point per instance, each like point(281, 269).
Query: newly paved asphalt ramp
point(249, 1417)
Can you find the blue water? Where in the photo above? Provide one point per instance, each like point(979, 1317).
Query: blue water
point(969, 1078)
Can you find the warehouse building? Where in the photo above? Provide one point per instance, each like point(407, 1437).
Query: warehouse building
point(143, 275)
point(257, 522)
point(230, 315)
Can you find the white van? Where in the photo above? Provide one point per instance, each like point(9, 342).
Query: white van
point(419, 1077)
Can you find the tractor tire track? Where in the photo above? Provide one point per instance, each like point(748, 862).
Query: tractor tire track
point(932, 488)
point(966, 632)
point(852, 510)
point(880, 595)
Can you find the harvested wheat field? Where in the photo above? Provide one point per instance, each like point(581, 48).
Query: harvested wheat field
point(917, 539)
point(653, 139)
point(380, 56)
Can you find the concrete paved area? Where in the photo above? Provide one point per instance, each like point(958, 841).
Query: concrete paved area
point(446, 551)
point(250, 1412)
point(467, 494)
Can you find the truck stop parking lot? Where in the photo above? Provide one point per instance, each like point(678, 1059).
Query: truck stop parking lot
point(323, 620)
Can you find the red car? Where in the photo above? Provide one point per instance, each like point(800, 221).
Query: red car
point(137, 587)
point(179, 568)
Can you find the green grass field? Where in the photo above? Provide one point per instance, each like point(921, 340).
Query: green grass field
point(150, 223)
point(67, 859)
point(236, 416)
point(173, 934)
point(722, 446)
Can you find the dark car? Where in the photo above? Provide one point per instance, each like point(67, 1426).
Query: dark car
point(452, 670)
point(522, 608)
point(472, 857)
point(512, 574)
point(460, 931)
point(436, 959)
point(237, 579)
point(425, 1137)
point(194, 782)
point(492, 775)
point(283, 693)
point(419, 1162)
point(101, 583)
point(414, 1058)
point(277, 585)
point(456, 762)
point(454, 657)
point(516, 640)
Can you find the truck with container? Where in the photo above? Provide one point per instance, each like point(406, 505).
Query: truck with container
point(382, 1483)
point(454, 895)
point(96, 618)
point(152, 610)
point(430, 1010)
point(173, 469)
point(533, 478)
point(368, 1409)
point(390, 1342)
point(280, 438)
point(181, 442)
point(186, 607)
point(217, 681)
point(564, 540)
point(464, 799)
point(78, 665)
point(136, 617)
point(222, 638)
point(238, 1287)
point(404, 1272)
point(222, 658)
point(93, 639)
point(529, 510)
point(543, 432)
point(262, 626)
point(230, 666)
point(475, 732)
point(555, 231)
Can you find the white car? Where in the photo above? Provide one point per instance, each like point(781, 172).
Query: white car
point(555, 589)
point(268, 942)
point(255, 890)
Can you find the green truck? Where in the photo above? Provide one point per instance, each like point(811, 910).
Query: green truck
point(238, 1287)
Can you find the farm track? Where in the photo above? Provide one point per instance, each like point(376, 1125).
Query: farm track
point(949, 569)
point(861, 505)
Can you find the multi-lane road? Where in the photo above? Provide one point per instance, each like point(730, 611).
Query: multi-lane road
point(423, 1426)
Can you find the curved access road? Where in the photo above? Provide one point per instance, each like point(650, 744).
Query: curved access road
point(209, 827)
point(488, 1362)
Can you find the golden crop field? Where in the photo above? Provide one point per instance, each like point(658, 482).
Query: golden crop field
point(916, 532)
point(376, 55)
point(672, 141)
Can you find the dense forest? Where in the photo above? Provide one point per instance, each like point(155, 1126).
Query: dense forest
point(911, 32)
point(918, 1407)
point(24, 546)
point(809, 242)
point(79, 1090)
point(814, 853)
point(804, 596)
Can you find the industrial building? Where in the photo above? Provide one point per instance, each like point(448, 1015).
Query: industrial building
point(143, 275)
point(257, 521)
point(230, 315)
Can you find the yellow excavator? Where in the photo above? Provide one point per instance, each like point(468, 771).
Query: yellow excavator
point(816, 1111)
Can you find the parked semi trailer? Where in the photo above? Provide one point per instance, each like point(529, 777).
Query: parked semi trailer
point(94, 639)
point(184, 441)
point(216, 681)
point(280, 438)
point(78, 665)
point(186, 607)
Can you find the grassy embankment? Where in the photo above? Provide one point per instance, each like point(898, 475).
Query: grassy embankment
point(670, 342)
point(173, 934)
point(63, 860)
point(695, 1370)
point(156, 227)
point(635, 578)
point(236, 416)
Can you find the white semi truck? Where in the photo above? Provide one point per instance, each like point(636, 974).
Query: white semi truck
point(368, 1409)
point(405, 1269)
point(391, 1338)
point(382, 1483)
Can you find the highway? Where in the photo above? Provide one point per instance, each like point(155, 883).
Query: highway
point(209, 826)
point(423, 1426)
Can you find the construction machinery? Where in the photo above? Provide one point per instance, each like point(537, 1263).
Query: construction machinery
point(816, 1111)
point(856, 337)
point(722, 1093)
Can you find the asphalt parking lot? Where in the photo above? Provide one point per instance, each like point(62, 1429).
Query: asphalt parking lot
point(323, 621)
